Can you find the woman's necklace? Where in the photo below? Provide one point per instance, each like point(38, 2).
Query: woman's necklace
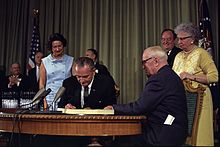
point(186, 53)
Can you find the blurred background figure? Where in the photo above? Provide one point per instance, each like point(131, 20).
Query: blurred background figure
point(16, 81)
point(100, 68)
point(14, 86)
point(34, 73)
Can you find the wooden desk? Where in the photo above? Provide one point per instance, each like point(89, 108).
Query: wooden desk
point(71, 125)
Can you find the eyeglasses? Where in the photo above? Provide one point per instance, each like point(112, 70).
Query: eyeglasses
point(183, 38)
point(144, 61)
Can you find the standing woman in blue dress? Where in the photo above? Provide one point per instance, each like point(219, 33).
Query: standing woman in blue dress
point(55, 67)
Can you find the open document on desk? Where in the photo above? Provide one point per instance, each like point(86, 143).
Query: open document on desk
point(86, 111)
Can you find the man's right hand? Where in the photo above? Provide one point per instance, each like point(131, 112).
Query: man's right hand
point(70, 106)
point(108, 108)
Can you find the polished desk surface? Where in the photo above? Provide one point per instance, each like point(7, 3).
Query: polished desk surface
point(71, 125)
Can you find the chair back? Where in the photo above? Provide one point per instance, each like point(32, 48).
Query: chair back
point(194, 100)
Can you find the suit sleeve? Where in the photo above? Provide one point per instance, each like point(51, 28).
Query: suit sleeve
point(110, 94)
point(24, 84)
point(148, 100)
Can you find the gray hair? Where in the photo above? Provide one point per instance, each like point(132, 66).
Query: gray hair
point(189, 28)
point(82, 61)
point(157, 51)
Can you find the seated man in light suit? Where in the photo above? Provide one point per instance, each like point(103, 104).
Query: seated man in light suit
point(101, 91)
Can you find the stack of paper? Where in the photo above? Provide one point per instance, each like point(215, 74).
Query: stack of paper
point(86, 111)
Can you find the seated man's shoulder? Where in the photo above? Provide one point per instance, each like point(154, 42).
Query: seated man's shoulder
point(102, 77)
point(103, 66)
point(71, 79)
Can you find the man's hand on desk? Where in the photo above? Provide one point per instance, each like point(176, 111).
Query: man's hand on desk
point(108, 108)
point(70, 106)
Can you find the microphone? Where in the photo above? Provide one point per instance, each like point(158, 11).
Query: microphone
point(58, 95)
point(36, 97)
point(44, 94)
point(39, 93)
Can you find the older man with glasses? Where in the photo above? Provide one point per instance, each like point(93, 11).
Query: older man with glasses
point(163, 102)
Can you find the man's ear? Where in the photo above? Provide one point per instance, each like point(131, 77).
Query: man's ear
point(156, 60)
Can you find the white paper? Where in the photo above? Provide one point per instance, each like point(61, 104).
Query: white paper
point(169, 120)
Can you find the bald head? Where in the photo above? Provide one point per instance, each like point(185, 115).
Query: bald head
point(155, 51)
point(153, 59)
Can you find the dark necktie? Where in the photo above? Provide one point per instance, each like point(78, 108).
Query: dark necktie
point(85, 95)
point(86, 91)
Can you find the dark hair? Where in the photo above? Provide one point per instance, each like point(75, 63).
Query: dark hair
point(94, 51)
point(16, 62)
point(56, 37)
point(82, 61)
point(172, 31)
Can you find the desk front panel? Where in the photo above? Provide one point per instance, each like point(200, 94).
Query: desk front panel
point(71, 125)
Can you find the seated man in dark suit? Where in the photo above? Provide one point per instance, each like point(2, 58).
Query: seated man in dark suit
point(89, 90)
point(15, 83)
point(101, 91)
point(163, 101)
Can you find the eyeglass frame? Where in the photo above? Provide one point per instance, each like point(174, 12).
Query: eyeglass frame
point(145, 61)
point(183, 38)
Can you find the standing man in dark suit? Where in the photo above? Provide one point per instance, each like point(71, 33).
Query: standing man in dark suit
point(86, 89)
point(34, 73)
point(168, 38)
point(100, 68)
point(163, 101)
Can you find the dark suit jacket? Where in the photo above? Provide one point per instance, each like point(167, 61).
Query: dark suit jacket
point(103, 70)
point(34, 84)
point(23, 86)
point(172, 55)
point(102, 93)
point(163, 94)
